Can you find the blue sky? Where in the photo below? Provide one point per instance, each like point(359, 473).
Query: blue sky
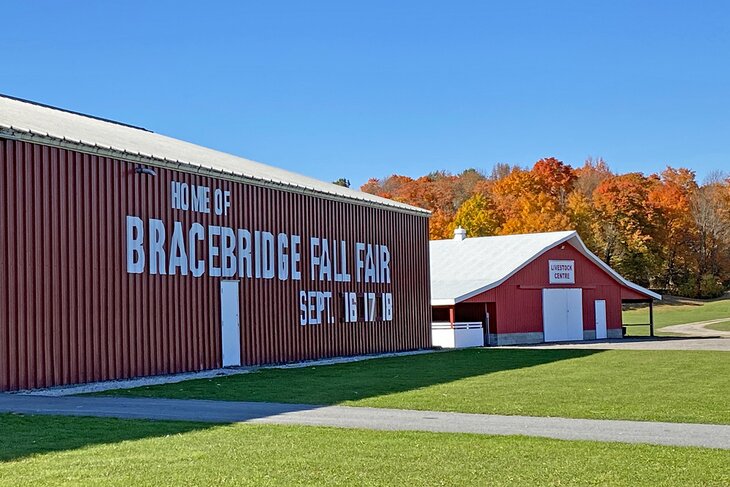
point(367, 89)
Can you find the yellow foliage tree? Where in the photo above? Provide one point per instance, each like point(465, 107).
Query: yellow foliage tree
point(478, 216)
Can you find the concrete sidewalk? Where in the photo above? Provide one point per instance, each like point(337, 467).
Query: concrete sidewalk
point(674, 434)
point(718, 344)
point(698, 329)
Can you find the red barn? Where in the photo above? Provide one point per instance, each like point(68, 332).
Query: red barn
point(532, 288)
point(126, 253)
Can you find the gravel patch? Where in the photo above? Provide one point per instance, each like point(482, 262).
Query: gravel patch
point(204, 374)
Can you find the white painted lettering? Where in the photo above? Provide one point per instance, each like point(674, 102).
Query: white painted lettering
point(195, 235)
point(283, 267)
point(244, 253)
point(178, 256)
point(135, 250)
point(214, 268)
point(228, 249)
point(157, 251)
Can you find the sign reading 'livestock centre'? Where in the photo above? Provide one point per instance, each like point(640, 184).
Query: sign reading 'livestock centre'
point(125, 253)
point(562, 271)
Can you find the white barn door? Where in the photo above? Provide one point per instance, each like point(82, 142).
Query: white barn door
point(562, 314)
point(230, 324)
point(600, 319)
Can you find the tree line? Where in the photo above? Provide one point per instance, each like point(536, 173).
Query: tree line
point(666, 231)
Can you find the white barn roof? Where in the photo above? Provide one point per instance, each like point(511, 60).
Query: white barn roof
point(461, 269)
point(24, 120)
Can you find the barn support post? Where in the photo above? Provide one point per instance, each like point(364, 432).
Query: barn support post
point(486, 325)
point(452, 315)
point(651, 317)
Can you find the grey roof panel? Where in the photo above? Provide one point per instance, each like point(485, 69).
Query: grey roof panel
point(45, 121)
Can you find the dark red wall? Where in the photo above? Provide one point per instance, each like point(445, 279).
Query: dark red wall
point(519, 299)
point(70, 312)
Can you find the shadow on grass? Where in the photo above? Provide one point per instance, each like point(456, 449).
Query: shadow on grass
point(298, 388)
point(333, 384)
point(24, 436)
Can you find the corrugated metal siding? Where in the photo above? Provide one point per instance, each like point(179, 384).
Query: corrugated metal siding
point(519, 299)
point(627, 293)
point(71, 313)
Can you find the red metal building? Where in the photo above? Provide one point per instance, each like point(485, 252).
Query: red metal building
point(527, 289)
point(127, 253)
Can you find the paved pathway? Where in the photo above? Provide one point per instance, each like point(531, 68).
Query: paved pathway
point(676, 434)
point(698, 329)
point(645, 343)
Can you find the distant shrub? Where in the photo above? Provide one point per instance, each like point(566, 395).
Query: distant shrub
point(711, 287)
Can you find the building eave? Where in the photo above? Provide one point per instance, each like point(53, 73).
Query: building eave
point(19, 134)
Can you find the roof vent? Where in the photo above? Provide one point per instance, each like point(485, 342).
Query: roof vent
point(459, 233)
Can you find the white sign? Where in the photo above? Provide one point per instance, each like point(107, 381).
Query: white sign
point(173, 248)
point(562, 271)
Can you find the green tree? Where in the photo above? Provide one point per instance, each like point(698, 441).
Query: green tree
point(342, 182)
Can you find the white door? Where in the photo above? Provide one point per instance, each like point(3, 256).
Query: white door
point(230, 324)
point(562, 314)
point(600, 319)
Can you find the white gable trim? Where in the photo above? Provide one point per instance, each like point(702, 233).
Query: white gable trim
point(616, 275)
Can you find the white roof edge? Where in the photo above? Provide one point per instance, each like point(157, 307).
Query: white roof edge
point(185, 166)
point(583, 249)
point(615, 274)
point(51, 126)
point(517, 269)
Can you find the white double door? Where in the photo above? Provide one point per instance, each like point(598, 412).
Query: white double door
point(562, 314)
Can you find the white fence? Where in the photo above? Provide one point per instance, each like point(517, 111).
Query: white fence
point(458, 335)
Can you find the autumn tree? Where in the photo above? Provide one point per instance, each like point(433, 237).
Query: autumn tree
point(466, 184)
point(535, 200)
point(392, 187)
point(434, 192)
point(478, 216)
point(582, 214)
point(590, 175)
point(710, 209)
point(663, 230)
point(555, 177)
point(508, 190)
point(501, 171)
point(625, 225)
point(675, 231)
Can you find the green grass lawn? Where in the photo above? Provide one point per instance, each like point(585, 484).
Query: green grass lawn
point(47, 450)
point(671, 313)
point(679, 386)
point(724, 326)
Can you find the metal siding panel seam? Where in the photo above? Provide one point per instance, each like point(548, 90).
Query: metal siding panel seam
point(78, 316)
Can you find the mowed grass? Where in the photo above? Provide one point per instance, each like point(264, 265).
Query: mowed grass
point(673, 313)
point(723, 326)
point(678, 386)
point(53, 451)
